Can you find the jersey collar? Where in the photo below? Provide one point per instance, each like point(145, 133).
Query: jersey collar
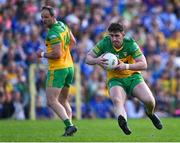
point(117, 50)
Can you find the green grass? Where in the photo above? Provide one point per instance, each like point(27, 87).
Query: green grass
point(89, 131)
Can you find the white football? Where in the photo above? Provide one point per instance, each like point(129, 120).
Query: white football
point(112, 60)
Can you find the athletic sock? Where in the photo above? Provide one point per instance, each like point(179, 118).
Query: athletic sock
point(68, 122)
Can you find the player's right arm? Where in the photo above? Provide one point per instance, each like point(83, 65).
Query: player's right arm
point(55, 44)
point(95, 56)
point(73, 40)
point(92, 59)
point(54, 54)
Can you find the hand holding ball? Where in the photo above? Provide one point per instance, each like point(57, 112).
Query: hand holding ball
point(112, 61)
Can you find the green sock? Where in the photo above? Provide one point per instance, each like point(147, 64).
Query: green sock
point(68, 123)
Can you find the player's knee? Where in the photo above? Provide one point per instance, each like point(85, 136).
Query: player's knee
point(51, 101)
point(116, 100)
point(151, 102)
point(69, 112)
point(63, 100)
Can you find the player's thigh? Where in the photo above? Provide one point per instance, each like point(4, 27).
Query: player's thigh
point(117, 93)
point(52, 93)
point(56, 78)
point(143, 93)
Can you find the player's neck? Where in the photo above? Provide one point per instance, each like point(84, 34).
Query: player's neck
point(54, 22)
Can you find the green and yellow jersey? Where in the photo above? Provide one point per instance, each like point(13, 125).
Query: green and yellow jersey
point(127, 53)
point(59, 33)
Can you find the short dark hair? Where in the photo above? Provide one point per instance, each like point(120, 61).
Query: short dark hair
point(50, 9)
point(116, 27)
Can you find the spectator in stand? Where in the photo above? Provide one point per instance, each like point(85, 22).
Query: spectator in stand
point(21, 33)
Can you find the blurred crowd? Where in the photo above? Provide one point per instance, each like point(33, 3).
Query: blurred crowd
point(154, 24)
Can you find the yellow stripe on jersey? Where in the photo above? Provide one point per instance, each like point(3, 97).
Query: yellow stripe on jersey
point(54, 41)
point(96, 50)
point(117, 50)
point(137, 54)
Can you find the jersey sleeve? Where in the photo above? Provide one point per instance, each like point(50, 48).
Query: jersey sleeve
point(99, 48)
point(53, 38)
point(135, 50)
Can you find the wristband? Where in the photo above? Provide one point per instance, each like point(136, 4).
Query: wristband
point(42, 54)
point(126, 66)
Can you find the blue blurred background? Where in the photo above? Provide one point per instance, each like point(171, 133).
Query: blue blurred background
point(154, 24)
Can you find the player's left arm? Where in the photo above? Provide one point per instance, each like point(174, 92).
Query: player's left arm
point(140, 60)
point(55, 53)
point(140, 64)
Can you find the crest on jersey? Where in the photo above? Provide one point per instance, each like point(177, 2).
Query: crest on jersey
point(125, 54)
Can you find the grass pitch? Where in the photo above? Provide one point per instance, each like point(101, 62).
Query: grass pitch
point(96, 130)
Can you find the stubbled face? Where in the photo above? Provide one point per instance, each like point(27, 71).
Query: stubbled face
point(47, 18)
point(117, 38)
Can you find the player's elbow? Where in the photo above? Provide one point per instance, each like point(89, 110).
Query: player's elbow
point(144, 66)
point(57, 55)
point(86, 60)
point(74, 42)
